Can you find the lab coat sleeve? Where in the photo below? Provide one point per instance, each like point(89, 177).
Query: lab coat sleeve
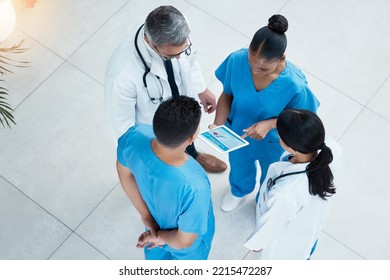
point(280, 211)
point(198, 83)
point(120, 102)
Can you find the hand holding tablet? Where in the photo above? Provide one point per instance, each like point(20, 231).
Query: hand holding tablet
point(223, 139)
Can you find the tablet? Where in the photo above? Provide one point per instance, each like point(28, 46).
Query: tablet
point(223, 139)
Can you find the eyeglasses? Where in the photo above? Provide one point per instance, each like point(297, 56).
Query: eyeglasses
point(187, 51)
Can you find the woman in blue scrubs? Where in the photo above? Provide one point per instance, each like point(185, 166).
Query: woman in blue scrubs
point(258, 84)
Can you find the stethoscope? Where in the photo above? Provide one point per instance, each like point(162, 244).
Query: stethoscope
point(271, 182)
point(147, 71)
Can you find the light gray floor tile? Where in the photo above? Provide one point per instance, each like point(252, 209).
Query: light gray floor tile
point(361, 209)
point(75, 248)
point(245, 16)
point(59, 153)
point(338, 41)
point(27, 230)
point(330, 249)
point(337, 111)
point(66, 24)
point(41, 64)
point(380, 102)
point(107, 38)
point(114, 227)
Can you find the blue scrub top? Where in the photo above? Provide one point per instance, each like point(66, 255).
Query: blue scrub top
point(289, 90)
point(177, 197)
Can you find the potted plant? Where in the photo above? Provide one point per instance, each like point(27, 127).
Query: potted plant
point(6, 63)
point(7, 23)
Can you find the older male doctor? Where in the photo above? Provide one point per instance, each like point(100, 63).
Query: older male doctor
point(149, 66)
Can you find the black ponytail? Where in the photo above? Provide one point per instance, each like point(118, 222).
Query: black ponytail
point(320, 176)
point(303, 131)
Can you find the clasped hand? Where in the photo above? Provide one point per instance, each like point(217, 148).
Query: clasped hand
point(147, 238)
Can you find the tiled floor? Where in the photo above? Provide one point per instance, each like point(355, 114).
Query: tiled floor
point(59, 193)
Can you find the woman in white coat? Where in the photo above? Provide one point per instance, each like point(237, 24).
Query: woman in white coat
point(294, 200)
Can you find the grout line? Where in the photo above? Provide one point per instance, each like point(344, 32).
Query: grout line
point(47, 76)
point(59, 246)
point(345, 246)
point(378, 114)
point(85, 73)
point(379, 88)
point(224, 23)
point(358, 115)
point(39, 85)
point(247, 253)
point(284, 5)
point(97, 30)
point(364, 106)
point(92, 246)
point(329, 85)
point(74, 231)
point(350, 125)
point(86, 40)
point(39, 43)
point(71, 230)
point(36, 203)
point(217, 19)
point(109, 192)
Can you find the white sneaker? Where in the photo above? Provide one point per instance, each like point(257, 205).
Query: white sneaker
point(230, 202)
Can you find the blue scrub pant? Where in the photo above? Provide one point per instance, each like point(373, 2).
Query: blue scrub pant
point(191, 150)
point(243, 169)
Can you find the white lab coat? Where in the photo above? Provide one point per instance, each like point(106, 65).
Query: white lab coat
point(289, 219)
point(126, 99)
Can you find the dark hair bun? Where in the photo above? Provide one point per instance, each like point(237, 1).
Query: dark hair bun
point(278, 24)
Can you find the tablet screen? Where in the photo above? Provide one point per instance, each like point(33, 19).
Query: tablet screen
point(223, 139)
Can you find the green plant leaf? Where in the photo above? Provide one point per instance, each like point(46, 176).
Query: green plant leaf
point(6, 63)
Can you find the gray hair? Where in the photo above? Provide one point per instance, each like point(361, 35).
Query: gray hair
point(165, 25)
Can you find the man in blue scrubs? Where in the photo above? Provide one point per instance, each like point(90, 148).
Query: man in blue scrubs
point(165, 183)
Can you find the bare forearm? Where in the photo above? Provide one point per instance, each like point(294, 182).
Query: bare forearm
point(260, 129)
point(271, 123)
point(223, 109)
point(130, 187)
